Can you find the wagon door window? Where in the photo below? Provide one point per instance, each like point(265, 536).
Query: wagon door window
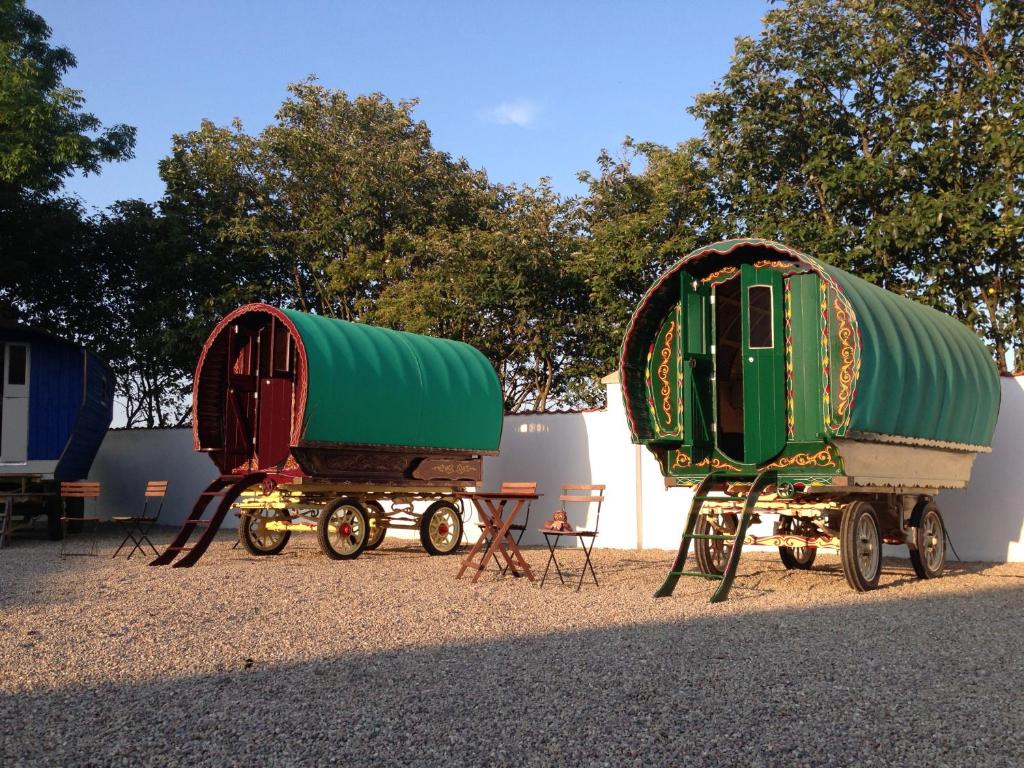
point(759, 317)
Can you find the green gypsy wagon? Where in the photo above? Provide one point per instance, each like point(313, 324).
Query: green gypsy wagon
point(317, 424)
point(780, 387)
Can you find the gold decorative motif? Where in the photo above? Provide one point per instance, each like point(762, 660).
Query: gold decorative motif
point(773, 264)
point(715, 463)
point(822, 458)
point(846, 353)
point(682, 460)
point(663, 371)
point(724, 272)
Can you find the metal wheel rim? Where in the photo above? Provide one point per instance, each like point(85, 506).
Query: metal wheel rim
point(442, 529)
point(376, 530)
point(867, 549)
point(345, 540)
point(258, 533)
point(934, 541)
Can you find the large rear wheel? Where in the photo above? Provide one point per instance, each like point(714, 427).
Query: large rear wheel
point(441, 528)
point(342, 529)
point(860, 546)
point(928, 553)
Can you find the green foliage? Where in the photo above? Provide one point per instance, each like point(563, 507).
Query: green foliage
point(343, 207)
point(44, 134)
point(883, 137)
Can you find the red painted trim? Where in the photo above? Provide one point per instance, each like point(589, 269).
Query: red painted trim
point(302, 372)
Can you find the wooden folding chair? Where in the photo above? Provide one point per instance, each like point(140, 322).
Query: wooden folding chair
point(78, 490)
point(519, 528)
point(592, 494)
point(515, 487)
point(137, 527)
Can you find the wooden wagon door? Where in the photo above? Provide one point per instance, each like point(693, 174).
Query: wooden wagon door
point(696, 366)
point(764, 363)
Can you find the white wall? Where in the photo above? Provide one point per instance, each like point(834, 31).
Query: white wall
point(128, 458)
point(985, 521)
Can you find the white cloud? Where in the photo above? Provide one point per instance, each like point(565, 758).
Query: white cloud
point(521, 113)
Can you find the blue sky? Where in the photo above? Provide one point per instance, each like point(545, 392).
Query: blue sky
point(521, 89)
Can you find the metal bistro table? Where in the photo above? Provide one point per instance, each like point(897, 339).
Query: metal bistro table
point(497, 512)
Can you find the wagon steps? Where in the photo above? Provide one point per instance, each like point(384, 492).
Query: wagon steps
point(226, 488)
point(735, 539)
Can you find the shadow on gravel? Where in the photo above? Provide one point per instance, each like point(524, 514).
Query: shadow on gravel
point(925, 681)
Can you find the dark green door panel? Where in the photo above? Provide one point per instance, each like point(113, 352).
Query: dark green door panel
point(805, 410)
point(698, 412)
point(764, 362)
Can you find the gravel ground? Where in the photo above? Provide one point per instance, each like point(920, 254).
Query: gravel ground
point(388, 660)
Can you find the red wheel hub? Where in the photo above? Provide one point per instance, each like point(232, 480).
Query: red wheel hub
point(345, 529)
point(443, 529)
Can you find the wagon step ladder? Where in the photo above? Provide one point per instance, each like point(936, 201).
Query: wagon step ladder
point(226, 488)
point(700, 495)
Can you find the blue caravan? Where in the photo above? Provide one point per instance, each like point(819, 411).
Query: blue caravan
point(56, 403)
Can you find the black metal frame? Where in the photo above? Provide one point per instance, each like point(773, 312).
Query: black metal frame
point(142, 524)
point(552, 537)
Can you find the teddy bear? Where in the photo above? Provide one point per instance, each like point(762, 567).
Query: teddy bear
point(559, 522)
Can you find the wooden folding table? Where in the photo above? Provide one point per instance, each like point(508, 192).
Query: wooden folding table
point(497, 512)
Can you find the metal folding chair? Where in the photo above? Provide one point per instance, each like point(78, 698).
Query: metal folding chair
point(593, 494)
point(137, 527)
point(73, 491)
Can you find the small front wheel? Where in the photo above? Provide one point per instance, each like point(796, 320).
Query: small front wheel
point(378, 524)
point(794, 558)
point(860, 546)
point(713, 554)
point(260, 539)
point(342, 529)
point(928, 554)
point(441, 528)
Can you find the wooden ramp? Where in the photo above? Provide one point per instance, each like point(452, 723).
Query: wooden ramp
point(226, 489)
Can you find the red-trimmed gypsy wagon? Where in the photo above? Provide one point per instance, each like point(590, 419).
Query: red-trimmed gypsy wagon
point(780, 387)
point(317, 424)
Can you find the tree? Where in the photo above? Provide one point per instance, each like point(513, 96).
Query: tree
point(146, 292)
point(343, 207)
point(509, 286)
point(885, 138)
point(45, 135)
point(637, 223)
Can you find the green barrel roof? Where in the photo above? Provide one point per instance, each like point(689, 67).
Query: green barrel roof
point(919, 373)
point(373, 386)
point(922, 373)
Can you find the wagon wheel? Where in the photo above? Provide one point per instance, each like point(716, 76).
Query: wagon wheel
point(860, 546)
point(712, 555)
point(378, 528)
point(928, 553)
point(342, 529)
point(441, 528)
point(794, 558)
point(254, 536)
